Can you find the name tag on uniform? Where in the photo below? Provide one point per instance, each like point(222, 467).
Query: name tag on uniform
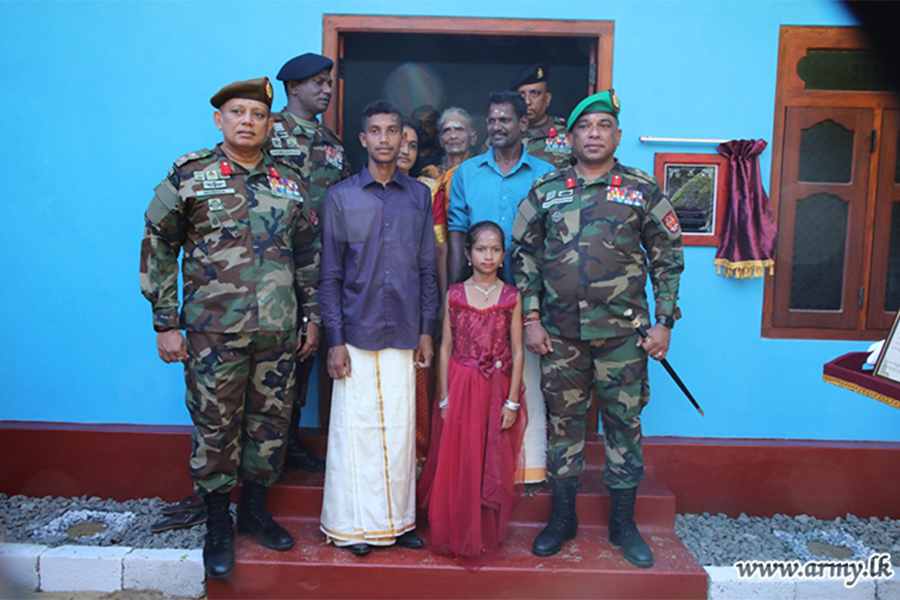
point(285, 188)
point(334, 156)
point(624, 196)
point(285, 152)
point(555, 197)
point(204, 193)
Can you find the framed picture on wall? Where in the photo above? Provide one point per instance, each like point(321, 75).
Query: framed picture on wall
point(697, 186)
point(888, 365)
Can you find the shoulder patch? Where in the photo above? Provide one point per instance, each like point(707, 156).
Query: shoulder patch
point(287, 165)
point(642, 176)
point(547, 178)
point(186, 158)
point(330, 136)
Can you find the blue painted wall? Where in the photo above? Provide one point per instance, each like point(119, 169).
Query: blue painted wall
point(102, 97)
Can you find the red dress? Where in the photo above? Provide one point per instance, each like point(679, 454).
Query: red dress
point(467, 489)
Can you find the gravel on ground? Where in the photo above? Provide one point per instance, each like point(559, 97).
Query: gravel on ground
point(714, 540)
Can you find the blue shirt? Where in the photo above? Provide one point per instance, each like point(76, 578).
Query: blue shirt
point(480, 192)
point(377, 284)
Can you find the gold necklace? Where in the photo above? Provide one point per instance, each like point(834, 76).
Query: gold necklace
point(486, 292)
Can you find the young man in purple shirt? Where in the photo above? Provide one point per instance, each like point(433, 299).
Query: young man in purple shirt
point(378, 296)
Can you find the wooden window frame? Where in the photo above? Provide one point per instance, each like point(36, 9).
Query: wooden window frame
point(661, 159)
point(600, 33)
point(791, 92)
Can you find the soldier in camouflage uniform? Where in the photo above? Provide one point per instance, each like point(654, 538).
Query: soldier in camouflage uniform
point(317, 154)
point(584, 241)
point(250, 249)
point(546, 136)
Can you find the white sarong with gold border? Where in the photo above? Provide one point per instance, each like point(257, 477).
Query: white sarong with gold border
point(534, 443)
point(370, 471)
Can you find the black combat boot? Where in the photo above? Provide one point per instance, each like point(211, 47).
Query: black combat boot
point(563, 523)
point(218, 549)
point(623, 531)
point(298, 457)
point(254, 520)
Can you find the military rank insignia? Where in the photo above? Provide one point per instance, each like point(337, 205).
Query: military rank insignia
point(285, 188)
point(671, 222)
point(624, 196)
point(334, 156)
point(313, 217)
point(557, 143)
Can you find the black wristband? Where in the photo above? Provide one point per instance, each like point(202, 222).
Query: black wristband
point(666, 321)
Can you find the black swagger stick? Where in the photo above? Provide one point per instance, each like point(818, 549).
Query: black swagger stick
point(636, 323)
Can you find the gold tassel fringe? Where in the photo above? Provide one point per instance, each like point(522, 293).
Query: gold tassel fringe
point(861, 390)
point(745, 269)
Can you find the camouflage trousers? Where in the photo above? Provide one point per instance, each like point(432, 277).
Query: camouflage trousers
point(239, 394)
point(618, 370)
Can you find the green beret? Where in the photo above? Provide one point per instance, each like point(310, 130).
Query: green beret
point(252, 89)
point(606, 102)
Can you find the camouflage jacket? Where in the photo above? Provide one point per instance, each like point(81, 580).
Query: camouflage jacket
point(582, 251)
point(315, 152)
point(251, 246)
point(549, 142)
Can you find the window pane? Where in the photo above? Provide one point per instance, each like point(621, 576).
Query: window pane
point(819, 239)
point(892, 293)
point(858, 70)
point(692, 191)
point(826, 153)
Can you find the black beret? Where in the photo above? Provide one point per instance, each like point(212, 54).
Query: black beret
point(303, 66)
point(531, 74)
point(252, 89)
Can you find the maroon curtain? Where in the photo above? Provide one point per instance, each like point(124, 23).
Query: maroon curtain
point(747, 239)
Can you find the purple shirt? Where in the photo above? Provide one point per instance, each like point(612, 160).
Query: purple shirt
point(377, 284)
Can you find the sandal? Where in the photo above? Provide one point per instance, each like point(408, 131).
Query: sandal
point(186, 503)
point(185, 518)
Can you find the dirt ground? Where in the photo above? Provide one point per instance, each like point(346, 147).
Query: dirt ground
point(6, 593)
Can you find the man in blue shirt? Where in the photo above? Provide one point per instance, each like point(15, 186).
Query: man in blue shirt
point(491, 186)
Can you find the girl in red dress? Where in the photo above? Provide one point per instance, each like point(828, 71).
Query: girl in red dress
point(467, 491)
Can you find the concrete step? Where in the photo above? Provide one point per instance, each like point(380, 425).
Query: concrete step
point(299, 494)
point(587, 567)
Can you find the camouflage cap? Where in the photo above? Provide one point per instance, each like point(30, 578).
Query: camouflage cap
point(303, 66)
point(531, 74)
point(606, 102)
point(252, 89)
